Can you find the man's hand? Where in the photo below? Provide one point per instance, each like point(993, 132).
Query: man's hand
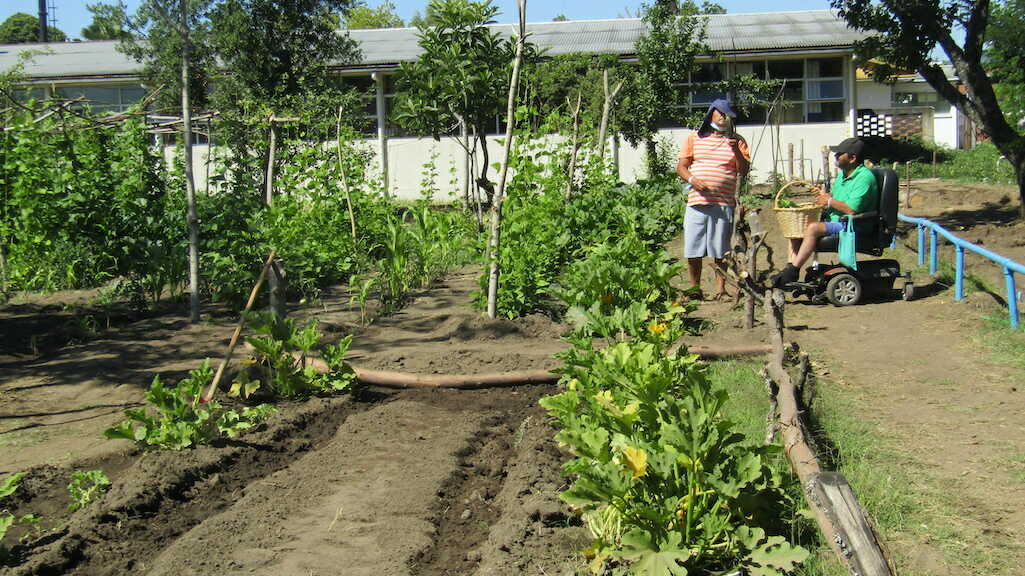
point(822, 199)
point(698, 184)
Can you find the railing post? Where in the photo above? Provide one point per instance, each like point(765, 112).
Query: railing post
point(921, 244)
point(959, 275)
point(1012, 297)
point(933, 256)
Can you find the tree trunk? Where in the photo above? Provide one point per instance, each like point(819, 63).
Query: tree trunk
point(192, 217)
point(494, 244)
point(574, 147)
point(606, 111)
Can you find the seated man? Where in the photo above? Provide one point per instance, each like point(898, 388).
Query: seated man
point(854, 191)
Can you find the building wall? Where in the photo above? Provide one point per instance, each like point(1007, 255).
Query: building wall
point(407, 157)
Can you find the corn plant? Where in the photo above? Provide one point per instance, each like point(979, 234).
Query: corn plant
point(282, 351)
point(182, 419)
point(359, 290)
point(395, 265)
point(86, 486)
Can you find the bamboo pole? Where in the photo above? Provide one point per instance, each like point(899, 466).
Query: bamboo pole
point(238, 329)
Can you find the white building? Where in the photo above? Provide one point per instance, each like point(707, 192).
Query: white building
point(812, 51)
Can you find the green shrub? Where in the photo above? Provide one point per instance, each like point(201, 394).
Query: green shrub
point(182, 419)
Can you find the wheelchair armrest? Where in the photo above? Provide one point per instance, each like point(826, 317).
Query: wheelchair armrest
point(867, 215)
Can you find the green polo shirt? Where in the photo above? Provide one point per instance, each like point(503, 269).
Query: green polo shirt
point(859, 191)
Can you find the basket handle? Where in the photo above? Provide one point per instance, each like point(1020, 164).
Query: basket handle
point(779, 194)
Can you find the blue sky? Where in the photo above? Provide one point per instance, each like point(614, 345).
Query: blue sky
point(72, 15)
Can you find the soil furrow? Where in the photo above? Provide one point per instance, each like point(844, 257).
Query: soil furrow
point(361, 501)
point(164, 494)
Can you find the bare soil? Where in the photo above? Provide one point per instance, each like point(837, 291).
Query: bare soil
point(409, 482)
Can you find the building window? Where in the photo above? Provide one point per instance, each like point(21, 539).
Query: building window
point(103, 99)
point(814, 90)
point(825, 90)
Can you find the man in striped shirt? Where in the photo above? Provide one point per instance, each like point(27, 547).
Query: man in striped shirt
point(712, 160)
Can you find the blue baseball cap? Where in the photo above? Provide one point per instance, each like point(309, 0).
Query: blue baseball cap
point(723, 105)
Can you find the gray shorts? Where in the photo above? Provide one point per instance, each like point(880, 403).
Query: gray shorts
point(707, 230)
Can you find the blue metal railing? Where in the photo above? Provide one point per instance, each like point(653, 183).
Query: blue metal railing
point(960, 245)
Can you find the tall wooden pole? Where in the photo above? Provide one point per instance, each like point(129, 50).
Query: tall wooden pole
point(192, 218)
point(494, 244)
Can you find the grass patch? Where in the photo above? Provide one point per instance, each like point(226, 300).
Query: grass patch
point(747, 408)
point(1006, 345)
point(924, 521)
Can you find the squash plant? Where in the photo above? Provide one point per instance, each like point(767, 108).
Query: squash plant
point(652, 451)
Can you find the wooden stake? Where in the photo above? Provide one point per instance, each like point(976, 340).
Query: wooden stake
point(345, 176)
point(238, 329)
point(907, 193)
point(802, 158)
point(790, 161)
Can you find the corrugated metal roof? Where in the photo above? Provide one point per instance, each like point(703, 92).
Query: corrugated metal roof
point(813, 29)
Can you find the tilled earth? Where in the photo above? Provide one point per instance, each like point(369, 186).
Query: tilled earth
point(419, 482)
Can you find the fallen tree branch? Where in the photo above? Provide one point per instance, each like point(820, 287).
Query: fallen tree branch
point(842, 521)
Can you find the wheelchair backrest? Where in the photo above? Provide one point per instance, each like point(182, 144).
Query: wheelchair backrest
point(889, 191)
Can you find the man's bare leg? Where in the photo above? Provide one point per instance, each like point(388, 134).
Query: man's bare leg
point(694, 269)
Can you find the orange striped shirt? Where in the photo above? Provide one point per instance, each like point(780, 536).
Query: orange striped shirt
point(712, 160)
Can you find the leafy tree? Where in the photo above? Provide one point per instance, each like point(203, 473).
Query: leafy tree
point(275, 48)
point(1005, 57)
point(666, 53)
point(904, 35)
point(560, 18)
point(460, 80)
point(110, 22)
point(363, 16)
point(22, 28)
point(157, 37)
point(425, 20)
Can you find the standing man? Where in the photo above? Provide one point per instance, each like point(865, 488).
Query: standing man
point(854, 191)
point(712, 160)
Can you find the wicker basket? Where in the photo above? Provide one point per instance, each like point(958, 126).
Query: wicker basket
point(793, 221)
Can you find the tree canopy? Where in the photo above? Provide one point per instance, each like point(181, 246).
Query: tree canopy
point(109, 22)
point(904, 35)
point(363, 16)
point(23, 28)
point(1005, 57)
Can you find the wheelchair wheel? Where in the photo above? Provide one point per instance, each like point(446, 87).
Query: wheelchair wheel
point(843, 290)
point(909, 291)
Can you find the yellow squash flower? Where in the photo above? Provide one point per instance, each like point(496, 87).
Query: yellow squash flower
point(636, 461)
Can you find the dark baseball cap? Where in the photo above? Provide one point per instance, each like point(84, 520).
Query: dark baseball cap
point(723, 105)
point(852, 146)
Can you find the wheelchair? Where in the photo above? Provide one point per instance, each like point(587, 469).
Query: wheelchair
point(844, 286)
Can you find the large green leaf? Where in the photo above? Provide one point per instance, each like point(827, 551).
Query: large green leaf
point(648, 559)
